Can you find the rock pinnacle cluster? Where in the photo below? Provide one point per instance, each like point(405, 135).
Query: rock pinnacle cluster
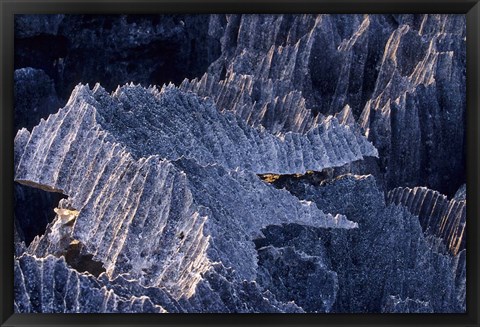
point(240, 164)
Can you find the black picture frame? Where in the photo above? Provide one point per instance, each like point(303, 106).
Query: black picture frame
point(9, 8)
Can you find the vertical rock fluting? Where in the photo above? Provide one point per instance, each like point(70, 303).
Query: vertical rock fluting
point(164, 207)
point(388, 258)
point(416, 116)
point(195, 129)
point(403, 76)
point(283, 71)
point(161, 222)
point(438, 216)
point(48, 285)
point(34, 98)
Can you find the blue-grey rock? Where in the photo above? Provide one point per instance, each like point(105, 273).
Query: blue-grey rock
point(387, 255)
point(163, 223)
point(253, 187)
point(48, 285)
point(397, 305)
point(416, 115)
point(446, 219)
point(461, 193)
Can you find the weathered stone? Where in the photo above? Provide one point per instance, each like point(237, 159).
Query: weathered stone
point(446, 219)
point(253, 185)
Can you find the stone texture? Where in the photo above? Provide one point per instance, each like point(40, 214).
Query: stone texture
point(160, 222)
point(387, 255)
point(399, 73)
point(439, 216)
point(248, 182)
point(416, 116)
point(175, 124)
point(48, 285)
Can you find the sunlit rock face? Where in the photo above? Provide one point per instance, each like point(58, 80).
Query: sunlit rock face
point(162, 222)
point(48, 285)
point(290, 163)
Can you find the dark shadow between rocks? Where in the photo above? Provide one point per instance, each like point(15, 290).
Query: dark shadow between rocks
point(82, 261)
point(33, 208)
point(116, 49)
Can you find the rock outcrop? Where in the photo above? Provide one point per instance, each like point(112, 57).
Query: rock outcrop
point(387, 256)
point(288, 163)
point(174, 124)
point(446, 219)
point(403, 77)
point(160, 222)
point(416, 116)
point(283, 71)
point(48, 285)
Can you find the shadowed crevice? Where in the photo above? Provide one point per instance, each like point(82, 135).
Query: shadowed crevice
point(33, 208)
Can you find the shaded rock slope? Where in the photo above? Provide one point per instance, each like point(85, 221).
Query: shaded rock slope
point(114, 49)
point(162, 222)
point(387, 264)
point(282, 163)
point(283, 72)
point(439, 216)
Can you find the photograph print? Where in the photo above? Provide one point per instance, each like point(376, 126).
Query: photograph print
point(240, 163)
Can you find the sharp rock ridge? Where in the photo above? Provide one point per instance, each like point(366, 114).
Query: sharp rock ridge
point(439, 216)
point(161, 222)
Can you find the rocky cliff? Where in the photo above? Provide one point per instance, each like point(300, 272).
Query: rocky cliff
point(282, 163)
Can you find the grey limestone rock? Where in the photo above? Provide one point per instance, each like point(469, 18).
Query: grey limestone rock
point(252, 185)
point(399, 73)
point(396, 305)
point(416, 115)
point(387, 255)
point(439, 216)
point(283, 71)
point(307, 53)
point(180, 125)
point(461, 193)
point(293, 275)
point(48, 285)
point(163, 223)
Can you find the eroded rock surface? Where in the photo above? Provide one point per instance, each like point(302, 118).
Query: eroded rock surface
point(291, 163)
point(439, 216)
point(160, 222)
point(387, 256)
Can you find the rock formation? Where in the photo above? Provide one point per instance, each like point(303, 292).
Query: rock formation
point(387, 256)
point(439, 216)
point(48, 285)
point(421, 89)
point(161, 222)
point(288, 163)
